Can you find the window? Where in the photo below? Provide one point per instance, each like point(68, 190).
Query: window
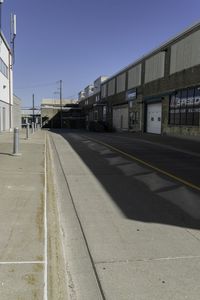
point(177, 108)
point(95, 115)
point(184, 107)
point(190, 104)
point(196, 106)
point(3, 68)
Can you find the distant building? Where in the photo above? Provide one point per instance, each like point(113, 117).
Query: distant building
point(81, 95)
point(90, 102)
point(28, 115)
point(6, 85)
point(53, 103)
point(61, 114)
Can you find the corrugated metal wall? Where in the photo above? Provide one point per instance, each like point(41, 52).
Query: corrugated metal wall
point(111, 87)
point(154, 67)
point(103, 91)
point(121, 83)
point(185, 53)
point(134, 76)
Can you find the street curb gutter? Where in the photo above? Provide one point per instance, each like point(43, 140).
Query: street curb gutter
point(82, 279)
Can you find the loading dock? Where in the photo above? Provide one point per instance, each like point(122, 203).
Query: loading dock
point(154, 113)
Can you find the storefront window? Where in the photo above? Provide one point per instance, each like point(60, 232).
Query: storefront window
point(172, 109)
point(196, 106)
point(177, 108)
point(184, 107)
point(183, 110)
point(190, 104)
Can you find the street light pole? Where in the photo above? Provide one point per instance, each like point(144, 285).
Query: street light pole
point(60, 103)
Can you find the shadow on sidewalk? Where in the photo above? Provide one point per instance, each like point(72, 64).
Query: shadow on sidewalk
point(7, 154)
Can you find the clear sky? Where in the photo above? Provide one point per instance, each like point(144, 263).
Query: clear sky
point(79, 40)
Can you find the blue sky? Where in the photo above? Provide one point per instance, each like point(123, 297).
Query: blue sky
point(79, 40)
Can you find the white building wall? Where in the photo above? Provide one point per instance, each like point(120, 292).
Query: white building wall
point(98, 82)
point(185, 53)
point(89, 91)
point(6, 87)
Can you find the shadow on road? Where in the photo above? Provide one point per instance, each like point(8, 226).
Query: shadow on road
point(142, 195)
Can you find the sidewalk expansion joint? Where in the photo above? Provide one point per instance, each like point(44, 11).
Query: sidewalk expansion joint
point(21, 262)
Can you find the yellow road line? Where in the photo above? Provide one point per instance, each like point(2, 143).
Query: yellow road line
point(132, 157)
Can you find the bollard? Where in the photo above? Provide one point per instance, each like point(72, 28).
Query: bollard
point(27, 131)
point(16, 142)
point(32, 127)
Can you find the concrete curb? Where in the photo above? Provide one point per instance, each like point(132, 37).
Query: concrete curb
point(81, 279)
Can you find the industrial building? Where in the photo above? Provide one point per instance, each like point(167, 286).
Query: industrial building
point(159, 93)
point(6, 85)
point(29, 115)
point(61, 113)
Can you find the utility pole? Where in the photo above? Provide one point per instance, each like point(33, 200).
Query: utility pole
point(60, 103)
point(33, 108)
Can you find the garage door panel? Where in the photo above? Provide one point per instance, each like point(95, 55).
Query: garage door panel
point(154, 112)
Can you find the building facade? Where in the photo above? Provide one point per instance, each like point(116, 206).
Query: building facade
point(159, 93)
point(61, 114)
point(6, 86)
point(29, 115)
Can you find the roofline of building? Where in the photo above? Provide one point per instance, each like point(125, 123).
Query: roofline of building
point(5, 41)
point(155, 50)
point(92, 84)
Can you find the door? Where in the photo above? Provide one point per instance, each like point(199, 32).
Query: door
point(4, 119)
point(120, 118)
point(154, 112)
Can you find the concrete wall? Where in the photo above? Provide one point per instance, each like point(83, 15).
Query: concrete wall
point(4, 116)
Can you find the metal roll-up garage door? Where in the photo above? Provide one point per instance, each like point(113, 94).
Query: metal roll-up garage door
point(154, 113)
point(120, 117)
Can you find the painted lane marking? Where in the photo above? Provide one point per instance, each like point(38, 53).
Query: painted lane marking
point(159, 145)
point(132, 157)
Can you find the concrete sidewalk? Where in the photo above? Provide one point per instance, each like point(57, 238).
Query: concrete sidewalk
point(22, 243)
point(106, 255)
point(130, 258)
